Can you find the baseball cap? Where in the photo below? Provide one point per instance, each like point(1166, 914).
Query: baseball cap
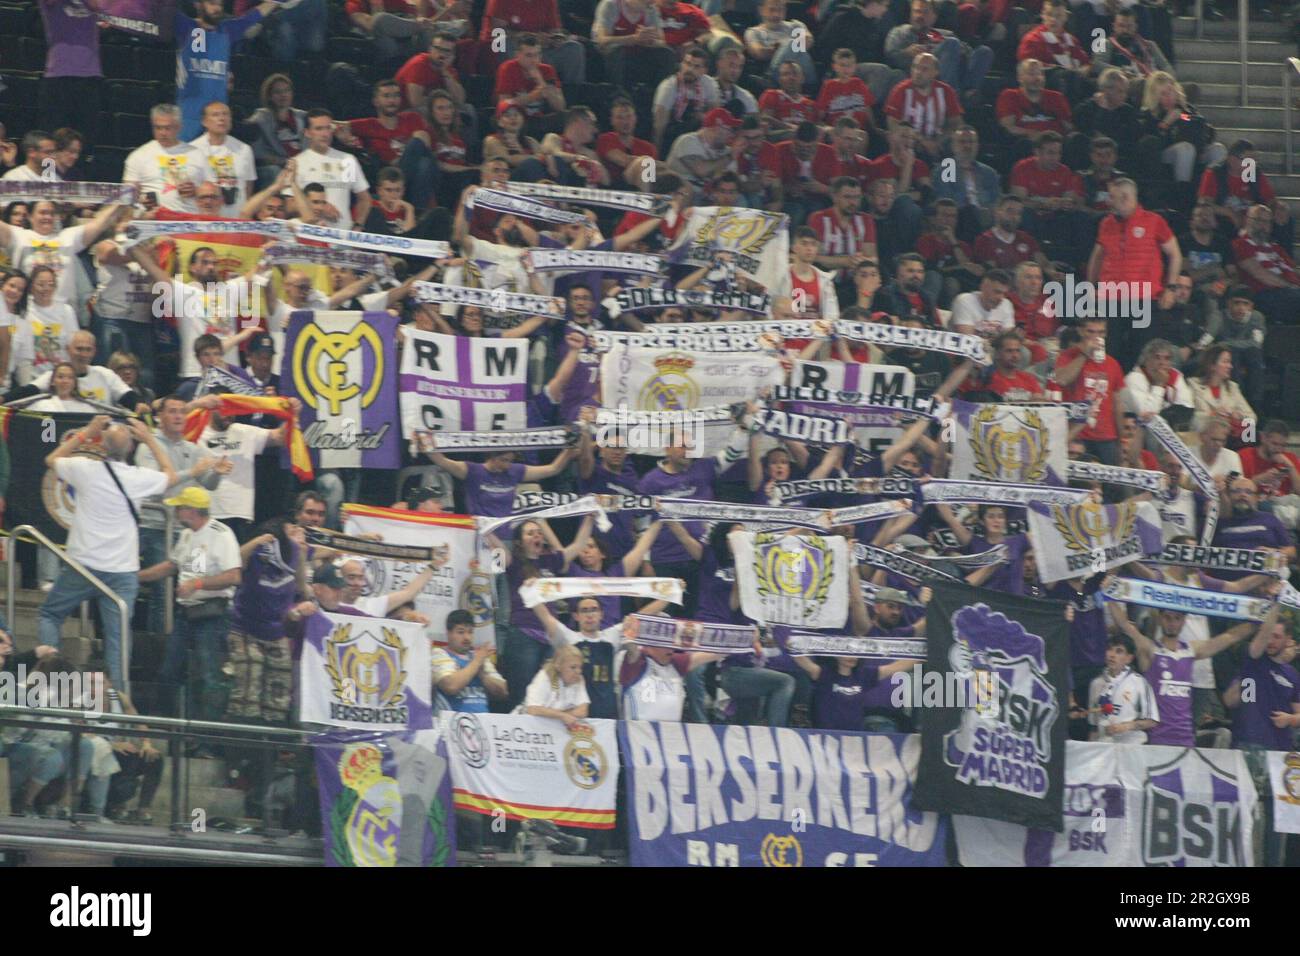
point(507, 105)
point(191, 497)
point(261, 343)
point(328, 575)
point(720, 118)
point(890, 594)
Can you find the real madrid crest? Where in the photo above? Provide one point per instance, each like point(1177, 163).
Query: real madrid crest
point(584, 760)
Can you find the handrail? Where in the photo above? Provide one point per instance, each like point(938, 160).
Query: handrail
point(122, 609)
point(169, 529)
point(1291, 66)
point(1243, 48)
point(141, 725)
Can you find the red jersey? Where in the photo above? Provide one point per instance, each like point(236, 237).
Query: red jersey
point(1131, 248)
point(452, 150)
point(1240, 193)
point(856, 167)
point(1037, 318)
point(420, 71)
point(1102, 380)
point(991, 250)
point(666, 232)
point(1046, 183)
point(1052, 111)
point(839, 237)
point(387, 144)
point(807, 291)
point(786, 108)
point(1052, 49)
point(624, 25)
point(884, 167)
point(1017, 386)
point(512, 80)
point(926, 111)
point(683, 23)
point(938, 252)
point(1269, 255)
point(611, 141)
point(849, 97)
point(1253, 465)
point(790, 169)
point(529, 16)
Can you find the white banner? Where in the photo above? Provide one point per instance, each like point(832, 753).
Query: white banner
point(759, 240)
point(1010, 443)
point(457, 383)
point(1132, 806)
point(364, 673)
point(534, 768)
point(1284, 777)
point(455, 585)
point(1074, 541)
point(795, 579)
point(655, 380)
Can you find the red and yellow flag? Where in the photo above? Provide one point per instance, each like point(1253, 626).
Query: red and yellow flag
point(232, 406)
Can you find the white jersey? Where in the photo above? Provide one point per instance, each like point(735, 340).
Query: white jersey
point(1128, 697)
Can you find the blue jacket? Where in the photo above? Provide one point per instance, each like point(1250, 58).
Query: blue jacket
point(988, 185)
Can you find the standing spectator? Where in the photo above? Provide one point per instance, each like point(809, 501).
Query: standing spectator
point(104, 537)
point(1248, 526)
point(464, 675)
point(775, 40)
point(43, 334)
point(71, 87)
point(1121, 705)
point(208, 568)
point(630, 36)
point(682, 99)
point(532, 85)
point(1067, 63)
point(47, 244)
point(338, 172)
point(1268, 269)
point(204, 48)
point(166, 165)
point(961, 67)
point(1085, 373)
point(230, 162)
point(280, 129)
point(1130, 244)
point(653, 679)
point(521, 19)
point(811, 291)
point(558, 690)
point(930, 105)
point(598, 646)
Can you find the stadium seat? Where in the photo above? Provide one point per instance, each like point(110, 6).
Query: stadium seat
point(30, 55)
point(596, 95)
point(478, 89)
point(13, 21)
point(135, 96)
point(118, 60)
point(109, 164)
point(20, 89)
point(155, 64)
point(130, 129)
point(350, 49)
point(19, 119)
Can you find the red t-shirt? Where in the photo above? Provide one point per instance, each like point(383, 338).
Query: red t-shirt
point(990, 250)
point(1052, 111)
point(855, 166)
point(608, 142)
point(1269, 255)
point(884, 167)
point(1239, 191)
point(849, 97)
point(809, 291)
point(452, 151)
point(1131, 248)
point(529, 16)
point(666, 233)
point(790, 169)
point(420, 71)
point(683, 23)
point(788, 109)
point(1052, 49)
point(387, 144)
point(1016, 386)
point(1253, 465)
point(512, 80)
point(927, 112)
point(1046, 183)
point(1104, 379)
point(842, 238)
point(1037, 319)
point(938, 251)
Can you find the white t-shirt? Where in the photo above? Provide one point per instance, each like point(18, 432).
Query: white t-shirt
point(104, 536)
point(231, 167)
point(100, 383)
point(1132, 698)
point(1178, 516)
point(542, 694)
point(612, 635)
point(277, 323)
point(203, 554)
point(53, 403)
point(24, 174)
point(29, 249)
point(41, 337)
point(659, 693)
point(241, 444)
point(373, 605)
point(1225, 461)
point(339, 173)
point(165, 170)
point(200, 312)
point(702, 96)
point(496, 267)
point(969, 312)
point(123, 293)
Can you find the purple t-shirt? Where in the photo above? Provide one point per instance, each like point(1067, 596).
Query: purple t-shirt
point(583, 386)
point(695, 482)
point(1170, 675)
point(266, 592)
point(72, 36)
point(839, 701)
point(1258, 529)
point(714, 603)
point(1088, 631)
point(1277, 687)
point(611, 608)
point(622, 533)
point(492, 494)
point(523, 618)
point(1010, 574)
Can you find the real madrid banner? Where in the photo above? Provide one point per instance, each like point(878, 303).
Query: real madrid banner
point(654, 380)
point(816, 799)
point(759, 240)
point(385, 799)
point(1284, 774)
point(998, 748)
point(1011, 443)
point(364, 673)
point(342, 367)
point(457, 383)
point(1073, 541)
point(1131, 806)
point(799, 579)
point(461, 583)
point(534, 768)
point(36, 495)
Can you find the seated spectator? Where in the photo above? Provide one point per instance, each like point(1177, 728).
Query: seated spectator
point(987, 312)
point(558, 690)
point(94, 382)
point(62, 393)
point(1067, 63)
point(532, 85)
point(1006, 245)
point(1156, 387)
point(727, 70)
point(682, 99)
point(1052, 193)
point(949, 264)
point(522, 19)
point(1232, 192)
point(811, 291)
point(1275, 471)
point(628, 159)
point(508, 143)
point(905, 296)
point(388, 23)
point(848, 143)
point(847, 236)
point(1216, 396)
point(844, 94)
point(126, 366)
point(1242, 331)
point(395, 137)
point(866, 282)
point(910, 173)
point(1207, 255)
point(38, 146)
point(43, 331)
point(1182, 323)
point(774, 40)
point(972, 185)
point(1008, 379)
point(1176, 133)
point(805, 166)
point(898, 219)
point(684, 24)
point(754, 164)
point(450, 152)
point(1126, 50)
point(1213, 451)
point(786, 106)
point(1267, 269)
point(1102, 153)
point(630, 36)
point(702, 156)
point(425, 73)
point(1035, 312)
point(861, 28)
point(279, 128)
point(1108, 112)
point(959, 66)
point(930, 105)
point(1248, 526)
point(1027, 110)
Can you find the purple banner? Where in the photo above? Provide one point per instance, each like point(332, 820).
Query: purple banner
point(146, 18)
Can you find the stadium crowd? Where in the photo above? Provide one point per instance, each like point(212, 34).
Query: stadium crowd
point(942, 165)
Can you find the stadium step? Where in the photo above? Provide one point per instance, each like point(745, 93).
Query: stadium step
point(1185, 28)
point(1257, 49)
point(1225, 69)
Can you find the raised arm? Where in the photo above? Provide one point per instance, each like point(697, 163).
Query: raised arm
point(633, 560)
point(457, 469)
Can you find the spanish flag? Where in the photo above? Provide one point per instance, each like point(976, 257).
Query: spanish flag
point(232, 406)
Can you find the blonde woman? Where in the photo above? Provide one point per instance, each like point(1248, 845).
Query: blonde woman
point(558, 690)
point(1174, 126)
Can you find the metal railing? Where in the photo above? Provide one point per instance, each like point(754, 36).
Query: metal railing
point(1289, 69)
point(1243, 43)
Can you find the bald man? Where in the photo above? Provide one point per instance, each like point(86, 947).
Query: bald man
point(93, 381)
